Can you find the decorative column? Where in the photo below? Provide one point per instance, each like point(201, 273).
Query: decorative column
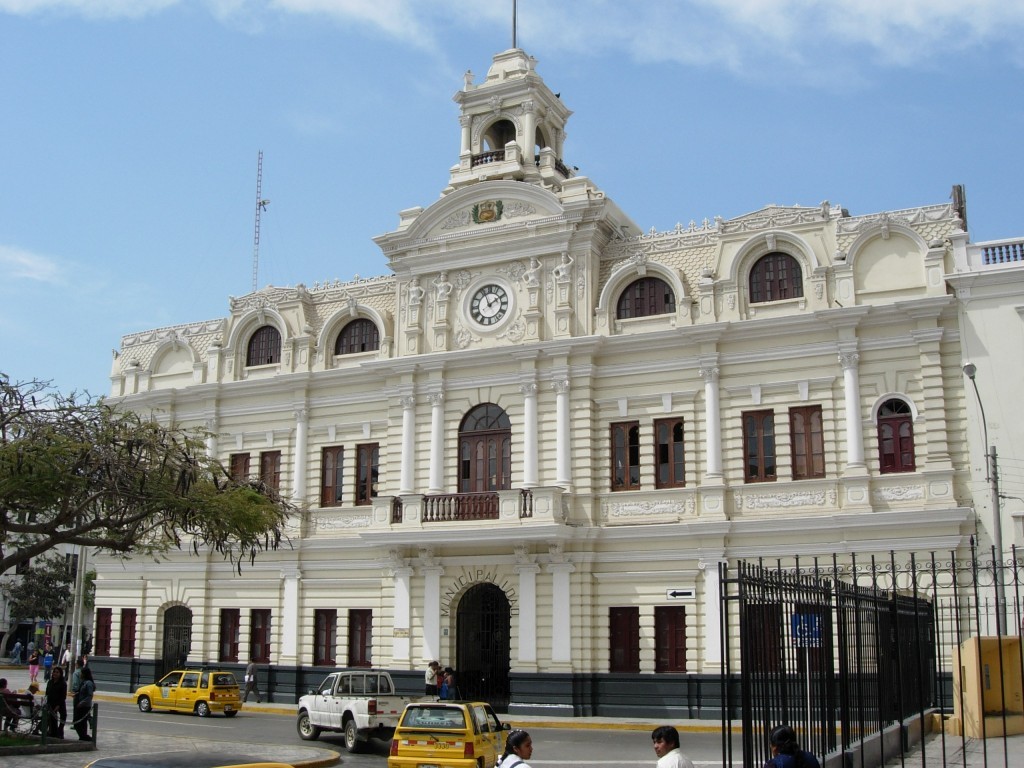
point(712, 421)
point(301, 448)
point(935, 429)
point(527, 140)
point(290, 582)
point(563, 475)
point(848, 359)
point(561, 613)
point(466, 121)
point(527, 571)
point(211, 438)
point(406, 480)
point(432, 573)
point(436, 442)
point(711, 606)
point(402, 575)
point(530, 477)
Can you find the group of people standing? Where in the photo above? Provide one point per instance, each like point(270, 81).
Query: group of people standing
point(440, 682)
point(54, 700)
point(46, 659)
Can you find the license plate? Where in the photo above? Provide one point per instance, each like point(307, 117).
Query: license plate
point(228, 708)
point(422, 765)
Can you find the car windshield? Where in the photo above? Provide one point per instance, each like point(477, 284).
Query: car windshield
point(434, 717)
point(223, 678)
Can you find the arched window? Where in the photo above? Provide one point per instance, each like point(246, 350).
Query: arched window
point(646, 296)
point(358, 336)
point(776, 276)
point(264, 346)
point(485, 450)
point(895, 437)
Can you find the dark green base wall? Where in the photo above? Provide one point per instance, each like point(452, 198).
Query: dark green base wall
point(663, 696)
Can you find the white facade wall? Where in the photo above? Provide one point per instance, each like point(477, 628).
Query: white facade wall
point(876, 322)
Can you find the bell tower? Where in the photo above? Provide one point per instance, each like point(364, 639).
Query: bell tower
point(513, 126)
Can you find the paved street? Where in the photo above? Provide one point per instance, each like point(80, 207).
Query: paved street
point(267, 732)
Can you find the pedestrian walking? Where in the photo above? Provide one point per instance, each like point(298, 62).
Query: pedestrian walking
point(518, 749)
point(33, 665)
point(666, 747)
point(251, 684)
point(57, 703)
point(48, 662)
point(431, 678)
point(786, 752)
point(16, 652)
point(83, 705)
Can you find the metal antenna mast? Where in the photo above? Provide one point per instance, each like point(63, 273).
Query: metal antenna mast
point(261, 205)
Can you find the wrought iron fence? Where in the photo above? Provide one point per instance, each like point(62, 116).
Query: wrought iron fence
point(846, 649)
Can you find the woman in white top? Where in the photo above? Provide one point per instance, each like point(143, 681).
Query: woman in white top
point(518, 749)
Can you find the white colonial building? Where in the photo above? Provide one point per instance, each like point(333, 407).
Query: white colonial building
point(525, 451)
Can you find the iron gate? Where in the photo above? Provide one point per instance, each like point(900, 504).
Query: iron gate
point(483, 623)
point(177, 638)
point(846, 650)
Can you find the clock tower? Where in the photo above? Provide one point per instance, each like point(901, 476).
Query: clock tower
point(510, 252)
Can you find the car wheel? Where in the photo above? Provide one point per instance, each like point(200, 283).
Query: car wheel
point(203, 709)
point(352, 742)
point(232, 713)
point(307, 731)
point(145, 705)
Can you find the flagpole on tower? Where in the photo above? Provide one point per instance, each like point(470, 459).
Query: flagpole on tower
point(514, 16)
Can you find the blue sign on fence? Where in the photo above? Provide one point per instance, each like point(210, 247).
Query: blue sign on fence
point(807, 630)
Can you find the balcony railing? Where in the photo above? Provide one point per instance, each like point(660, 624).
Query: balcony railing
point(1002, 252)
point(484, 158)
point(461, 507)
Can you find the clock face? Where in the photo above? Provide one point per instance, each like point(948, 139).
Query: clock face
point(489, 304)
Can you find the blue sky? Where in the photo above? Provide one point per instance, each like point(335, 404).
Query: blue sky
point(129, 133)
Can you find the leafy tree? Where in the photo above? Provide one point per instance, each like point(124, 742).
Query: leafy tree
point(41, 591)
point(75, 470)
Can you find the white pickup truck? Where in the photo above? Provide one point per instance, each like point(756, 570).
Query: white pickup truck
point(357, 702)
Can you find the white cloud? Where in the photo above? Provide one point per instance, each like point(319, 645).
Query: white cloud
point(738, 34)
point(19, 264)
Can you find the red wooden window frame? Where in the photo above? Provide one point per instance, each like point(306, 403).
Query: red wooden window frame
point(264, 347)
point(367, 472)
point(239, 466)
point(775, 277)
point(126, 641)
point(896, 451)
point(360, 637)
point(669, 638)
point(760, 458)
point(270, 469)
point(230, 630)
point(645, 297)
point(807, 437)
point(624, 639)
point(259, 635)
point(485, 450)
point(104, 624)
point(669, 454)
point(325, 636)
point(360, 335)
point(332, 462)
point(625, 453)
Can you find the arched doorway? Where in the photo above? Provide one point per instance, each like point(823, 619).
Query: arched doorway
point(482, 625)
point(177, 638)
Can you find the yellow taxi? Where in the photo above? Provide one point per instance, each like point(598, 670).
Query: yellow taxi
point(202, 691)
point(447, 734)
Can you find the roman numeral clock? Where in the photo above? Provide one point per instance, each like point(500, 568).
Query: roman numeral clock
point(489, 305)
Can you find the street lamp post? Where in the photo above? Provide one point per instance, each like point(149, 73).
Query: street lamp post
point(992, 478)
